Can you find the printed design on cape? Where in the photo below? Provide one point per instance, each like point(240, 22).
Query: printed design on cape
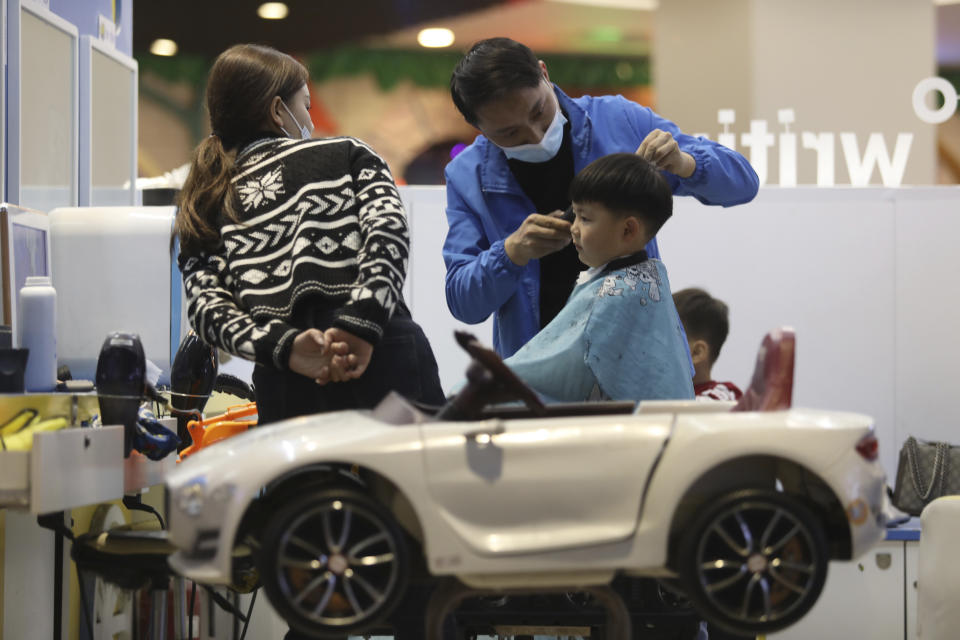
point(260, 189)
point(629, 278)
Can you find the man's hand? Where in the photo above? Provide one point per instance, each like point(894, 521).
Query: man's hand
point(539, 235)
point(312, 353)
point(345, 367)
point(660, 148)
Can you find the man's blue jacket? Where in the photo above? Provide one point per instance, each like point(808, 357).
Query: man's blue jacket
point(485, 204)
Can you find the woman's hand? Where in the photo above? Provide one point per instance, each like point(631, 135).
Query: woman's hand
point(660, 148)
point(312, 354)
point(352, 364)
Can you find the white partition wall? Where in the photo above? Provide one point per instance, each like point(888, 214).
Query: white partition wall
point(867, 277)
point(926, 299)
point(424, 290)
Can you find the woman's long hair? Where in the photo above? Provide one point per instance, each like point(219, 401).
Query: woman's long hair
point(242, 83)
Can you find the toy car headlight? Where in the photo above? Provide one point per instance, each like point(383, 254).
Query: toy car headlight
point(191, 497)
point(195, 496)
point(222, 493)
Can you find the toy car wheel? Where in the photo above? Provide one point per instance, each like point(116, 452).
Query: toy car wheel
point(754, 562)
point(333, 562)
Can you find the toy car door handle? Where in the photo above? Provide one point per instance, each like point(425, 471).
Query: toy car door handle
point(484, 436)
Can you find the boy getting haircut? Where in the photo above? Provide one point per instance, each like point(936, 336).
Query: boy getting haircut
point(618, 337)
point(626, 185)
point(706, 321)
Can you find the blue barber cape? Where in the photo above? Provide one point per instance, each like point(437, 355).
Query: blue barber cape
point(618, 337)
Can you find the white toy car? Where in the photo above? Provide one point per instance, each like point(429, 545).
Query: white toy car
point(743, 508)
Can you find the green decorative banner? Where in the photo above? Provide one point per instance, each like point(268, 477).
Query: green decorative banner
point(423, 68)
point(433, 68)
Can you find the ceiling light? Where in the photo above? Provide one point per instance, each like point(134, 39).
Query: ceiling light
point(273, 11)
point(435, 38)
point(163, 47)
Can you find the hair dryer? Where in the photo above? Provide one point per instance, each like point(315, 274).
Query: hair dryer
point(121, 382)
point(192, 378)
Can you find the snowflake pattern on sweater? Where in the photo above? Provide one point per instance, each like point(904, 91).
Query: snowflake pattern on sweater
point(256, 190)
point(319, 219)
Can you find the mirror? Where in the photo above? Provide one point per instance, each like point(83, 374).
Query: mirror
point(108, 125)
point(43, 122)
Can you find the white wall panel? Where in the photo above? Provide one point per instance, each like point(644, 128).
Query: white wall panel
point(926, 303)
point(424, 290)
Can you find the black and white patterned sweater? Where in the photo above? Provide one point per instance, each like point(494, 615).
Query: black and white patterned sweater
point(320, 219)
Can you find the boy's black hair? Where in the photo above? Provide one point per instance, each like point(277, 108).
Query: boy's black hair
point(627, 185)
point(491, 69)
point(704, 318)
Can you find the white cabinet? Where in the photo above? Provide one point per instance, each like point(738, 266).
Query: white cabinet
point(910, 585)
point(872, 597)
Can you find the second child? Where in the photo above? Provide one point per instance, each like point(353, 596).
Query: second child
point(706, 321)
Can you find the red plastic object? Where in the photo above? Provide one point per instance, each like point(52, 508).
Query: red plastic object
point(868, 447)
point(771, 388)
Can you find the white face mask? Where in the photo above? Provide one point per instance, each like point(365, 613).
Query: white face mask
point(544, 150)
point(305, 134)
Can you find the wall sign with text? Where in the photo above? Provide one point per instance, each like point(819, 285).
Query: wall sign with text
point(861, 160)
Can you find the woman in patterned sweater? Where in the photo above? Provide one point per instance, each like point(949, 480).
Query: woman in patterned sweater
point(294, 249)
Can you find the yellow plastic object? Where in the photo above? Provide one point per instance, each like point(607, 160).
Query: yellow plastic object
point(23, 418)
point(23, 439)
point(206, 432)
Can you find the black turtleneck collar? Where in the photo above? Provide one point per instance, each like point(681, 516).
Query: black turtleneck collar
point(626, 261)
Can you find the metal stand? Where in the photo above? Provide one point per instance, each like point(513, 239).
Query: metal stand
point(450, 593)
point(158, 615)
point(179, 609)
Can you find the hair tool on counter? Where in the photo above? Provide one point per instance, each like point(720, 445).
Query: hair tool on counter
point(122, 387)
point(192, 379)
point(121, 383)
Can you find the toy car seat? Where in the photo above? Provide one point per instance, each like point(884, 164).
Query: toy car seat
point(771, 388)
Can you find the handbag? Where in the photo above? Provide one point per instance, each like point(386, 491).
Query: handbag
point(925, 472)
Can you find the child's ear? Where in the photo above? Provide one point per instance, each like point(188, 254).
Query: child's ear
point(633, 228)
point(699, 351)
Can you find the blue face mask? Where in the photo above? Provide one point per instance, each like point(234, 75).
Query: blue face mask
point(544, 150)
point(305, 134)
